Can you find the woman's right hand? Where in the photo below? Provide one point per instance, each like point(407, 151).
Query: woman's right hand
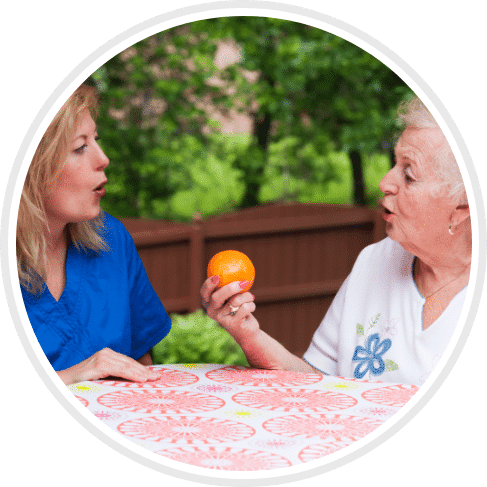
point(107, 363)
point(219, 302)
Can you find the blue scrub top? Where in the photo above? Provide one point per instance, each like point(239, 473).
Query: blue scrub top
point(108, 302)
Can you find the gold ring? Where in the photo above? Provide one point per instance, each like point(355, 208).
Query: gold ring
point(233, 310)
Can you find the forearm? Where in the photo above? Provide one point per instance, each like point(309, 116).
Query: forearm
point(264, 352)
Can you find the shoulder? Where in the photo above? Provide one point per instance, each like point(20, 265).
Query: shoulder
point(384, 250)
point(111, 223)
point(117, 239)
point(386, 256)
point(113, 229)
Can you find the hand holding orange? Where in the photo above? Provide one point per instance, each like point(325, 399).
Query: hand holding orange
point(230, 266)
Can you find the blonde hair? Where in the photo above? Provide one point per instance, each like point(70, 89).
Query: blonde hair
point(414, 113)
point(47, 163)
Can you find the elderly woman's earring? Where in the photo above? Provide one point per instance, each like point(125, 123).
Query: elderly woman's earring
point(449, 230)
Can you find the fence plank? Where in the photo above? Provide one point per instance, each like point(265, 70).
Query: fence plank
point(286, 224)
point(298, 291)
point(197, 273)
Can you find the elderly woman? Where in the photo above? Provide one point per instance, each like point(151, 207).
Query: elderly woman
point(85, 289)
point(395, 313)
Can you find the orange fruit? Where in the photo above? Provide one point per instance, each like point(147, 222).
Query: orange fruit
point(230, 266)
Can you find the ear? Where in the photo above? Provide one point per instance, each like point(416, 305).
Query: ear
point(460, 214)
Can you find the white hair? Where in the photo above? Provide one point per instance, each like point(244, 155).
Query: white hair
point(413, 113)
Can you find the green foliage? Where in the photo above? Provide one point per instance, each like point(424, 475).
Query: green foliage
point(195, 338)
point(375, 166)
point(329, 181)
point(312, 86)
point(152, 124)
point(180, 178)
point(315, 98)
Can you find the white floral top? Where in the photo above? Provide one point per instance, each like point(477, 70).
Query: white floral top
point(373, 329)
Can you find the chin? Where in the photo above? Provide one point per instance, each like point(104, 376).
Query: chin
point(93, 214)
point(397, 237)
point(86, 217)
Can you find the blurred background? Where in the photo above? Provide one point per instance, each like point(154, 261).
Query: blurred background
point(262, 120)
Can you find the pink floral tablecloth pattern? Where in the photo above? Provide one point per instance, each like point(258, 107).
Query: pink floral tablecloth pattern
point(238, 418)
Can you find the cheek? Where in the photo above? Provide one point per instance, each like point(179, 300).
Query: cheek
point(409, 205)
point(70, 183)
point(428, 213)
point(417, 200)
point(64, 192)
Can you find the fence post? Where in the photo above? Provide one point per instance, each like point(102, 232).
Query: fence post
point(196, 249)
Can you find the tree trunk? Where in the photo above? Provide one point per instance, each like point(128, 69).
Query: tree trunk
point(262, 128)
point(253, 177)
point(358, 178)
point(392, 158)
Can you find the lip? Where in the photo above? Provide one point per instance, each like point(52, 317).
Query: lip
point(100, 192)
point(386, 213)
point(100, 189)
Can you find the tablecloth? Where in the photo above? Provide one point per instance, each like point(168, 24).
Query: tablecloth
point(238, 418)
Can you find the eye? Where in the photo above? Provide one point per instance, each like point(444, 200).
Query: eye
point(408, 176)
point(80, 149)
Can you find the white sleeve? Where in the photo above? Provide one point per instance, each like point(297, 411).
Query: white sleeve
point(322, 353)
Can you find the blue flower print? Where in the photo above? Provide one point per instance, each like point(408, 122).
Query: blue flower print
point(370, 357)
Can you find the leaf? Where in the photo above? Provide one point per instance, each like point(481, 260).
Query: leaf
point(390, 365)
point(360, 330)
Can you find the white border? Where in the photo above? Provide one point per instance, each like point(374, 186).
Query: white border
point(25, 154)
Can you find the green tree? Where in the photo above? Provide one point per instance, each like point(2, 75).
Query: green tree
point(154, 128)
point(315, 95)
point(315, 87)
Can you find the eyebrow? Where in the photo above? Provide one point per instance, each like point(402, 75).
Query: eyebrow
point(84, 136)
point(406, 153)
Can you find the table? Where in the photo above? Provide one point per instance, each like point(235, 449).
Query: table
point(238, 418)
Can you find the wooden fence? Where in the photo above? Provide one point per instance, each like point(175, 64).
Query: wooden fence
point(301, 252)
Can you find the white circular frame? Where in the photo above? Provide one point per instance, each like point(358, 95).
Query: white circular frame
point(9, 218)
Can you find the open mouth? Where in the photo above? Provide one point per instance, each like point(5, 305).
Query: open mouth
point(100, 187)
point(386, 213)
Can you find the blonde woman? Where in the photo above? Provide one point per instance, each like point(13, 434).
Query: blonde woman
point(86, 292)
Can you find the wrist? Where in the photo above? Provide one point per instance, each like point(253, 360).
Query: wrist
point(247, 336)
point(65, 376)
point(69, 376)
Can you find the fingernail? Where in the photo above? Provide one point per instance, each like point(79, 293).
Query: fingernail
point(244, 284)
point(215, 279)
point(253, 297)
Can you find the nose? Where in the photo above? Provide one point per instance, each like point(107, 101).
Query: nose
point(388, 184)
point(102, 159)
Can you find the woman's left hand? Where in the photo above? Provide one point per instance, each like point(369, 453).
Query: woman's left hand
point(261, 350)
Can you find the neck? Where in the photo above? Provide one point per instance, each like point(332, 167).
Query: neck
point(433, 280)
point(56, 239)
point(446, 266)
point(449, 256)
point(440, 270)
point(56, 252)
